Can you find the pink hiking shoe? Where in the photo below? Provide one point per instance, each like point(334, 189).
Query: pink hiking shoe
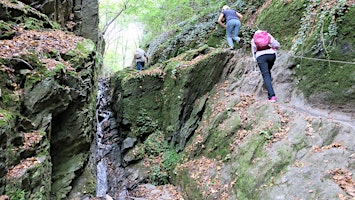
point(272, 99)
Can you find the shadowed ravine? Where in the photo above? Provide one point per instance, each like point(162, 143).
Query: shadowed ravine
point(109, 172)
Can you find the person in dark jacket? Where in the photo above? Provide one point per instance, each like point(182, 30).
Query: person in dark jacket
point(232, 26)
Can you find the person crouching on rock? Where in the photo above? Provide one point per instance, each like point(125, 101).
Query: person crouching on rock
point(140, 57)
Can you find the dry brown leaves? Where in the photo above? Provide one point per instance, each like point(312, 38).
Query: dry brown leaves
point(18, 5)
point(156, 192)
point(241, 134)
point(218, 108)
point(40, 42)
point(210, 184)
point(153, 72)
point(309, 129)
point(31, 139)
point(298, 163)
point(245, 101)
point(193, 61)
point(344, 179)
point(283, 129)
point(333, 145)
point(20, 169)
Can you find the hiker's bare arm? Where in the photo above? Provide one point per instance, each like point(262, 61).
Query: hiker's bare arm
point(220, 18)
point(240, 16)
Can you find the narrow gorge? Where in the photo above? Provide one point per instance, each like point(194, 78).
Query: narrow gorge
point(196, 124)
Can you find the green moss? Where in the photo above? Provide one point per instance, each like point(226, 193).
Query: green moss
point(282, 20)
point(15, 193)
point(218, 140)
point(216, 38)
point(332, 80)
point(170, 160)
point(33, 24)
point(335, 83)
point(6, 30)
point(82, 51)
point(10, 100)
point(191, 191)
point(155, 144)
point(6, 118)
point(157, 176)
point(253, 168)
point(245, 185)
point(89, 182)
point(42, 73)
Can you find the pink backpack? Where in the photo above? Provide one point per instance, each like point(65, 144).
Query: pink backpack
point(262, 40)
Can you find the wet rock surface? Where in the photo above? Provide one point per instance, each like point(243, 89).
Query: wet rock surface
point(114, 180)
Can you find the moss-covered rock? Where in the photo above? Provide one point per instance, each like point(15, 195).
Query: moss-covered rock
point(330, 79)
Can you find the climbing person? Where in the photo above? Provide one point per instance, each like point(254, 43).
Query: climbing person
point(140, 58)
point(232, 26)
point(264, 47)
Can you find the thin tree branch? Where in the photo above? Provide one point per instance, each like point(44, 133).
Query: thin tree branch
point(117, 15)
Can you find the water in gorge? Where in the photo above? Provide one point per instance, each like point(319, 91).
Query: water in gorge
point(110, 174)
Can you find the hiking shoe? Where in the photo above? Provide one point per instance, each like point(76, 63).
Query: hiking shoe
point(232, 48)
point(241, 41)
point(272, 99)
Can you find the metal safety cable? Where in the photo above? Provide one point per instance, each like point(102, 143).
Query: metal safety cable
point(326, 60)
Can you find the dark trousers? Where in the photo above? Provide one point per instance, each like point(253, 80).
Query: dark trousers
point(266, 62)
point(140, 66)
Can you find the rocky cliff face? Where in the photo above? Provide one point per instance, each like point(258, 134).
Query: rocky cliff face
point(74, 15)
point(48, 96)
point(202, 116)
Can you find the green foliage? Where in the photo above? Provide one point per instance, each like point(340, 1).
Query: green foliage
point(155, 144)
point(170, 160)
point(267, 134)
point(81, 52)
point(7, 116)
point(145, 125)
point(33, 24)
point(151, 13)
point(282, 20)
point(111, 64)
point(157, 176)
point(15, 193)
point(6, 30)
point(337, 79)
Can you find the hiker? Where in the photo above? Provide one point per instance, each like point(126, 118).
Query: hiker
point(232, 26)
point(140, 57)
point(264, 47)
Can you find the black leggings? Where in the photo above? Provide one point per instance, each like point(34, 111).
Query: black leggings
point(266, 62)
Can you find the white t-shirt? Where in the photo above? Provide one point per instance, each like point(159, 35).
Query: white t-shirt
point(140, 55)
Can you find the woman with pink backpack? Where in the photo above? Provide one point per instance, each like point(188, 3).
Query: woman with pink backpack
point(264, 46)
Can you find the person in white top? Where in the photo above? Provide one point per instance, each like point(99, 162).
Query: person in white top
point(140, 57)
